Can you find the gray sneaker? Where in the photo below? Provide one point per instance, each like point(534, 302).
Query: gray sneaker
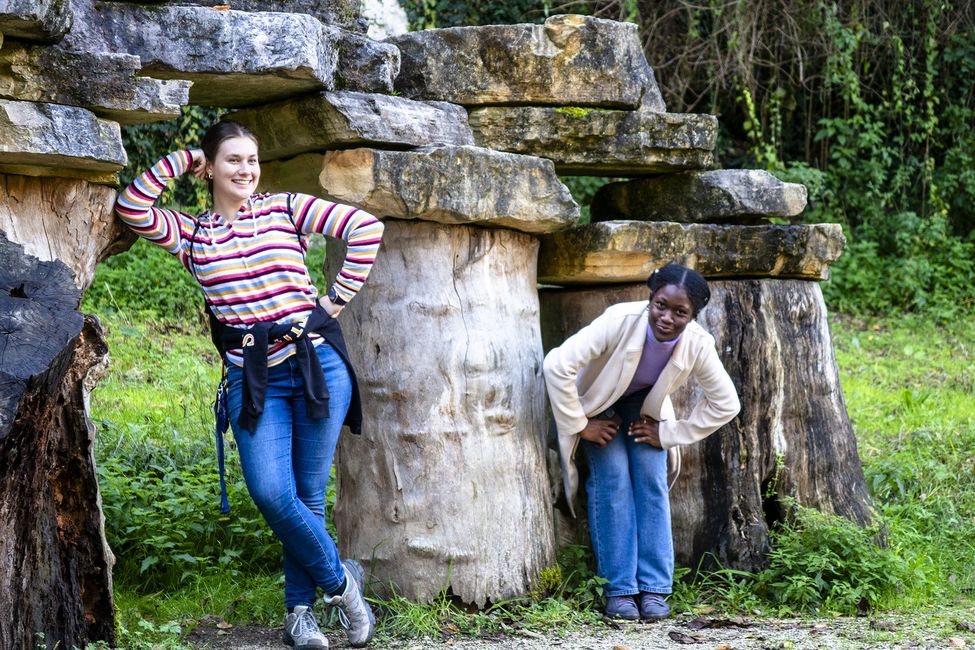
point(355, 615)
point(301, 630)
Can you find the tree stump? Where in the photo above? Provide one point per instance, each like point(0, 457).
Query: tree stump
point(55, 580)
point(447, 487)
point(793, 437)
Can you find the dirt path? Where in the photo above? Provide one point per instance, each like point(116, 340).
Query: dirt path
point(934, 629)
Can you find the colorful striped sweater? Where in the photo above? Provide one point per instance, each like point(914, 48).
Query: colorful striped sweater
point(252, 269)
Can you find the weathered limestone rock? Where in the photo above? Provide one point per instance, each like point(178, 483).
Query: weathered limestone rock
point(35, 20)
point(627, 251)
point(792, 438)
point(723, 195)
point(599, 142)
point(338, 120)
point(233, 58)
point(574, 60)
point(53, 140)
point(448, 184)
point(62, 219)
point(341, 13)
point(103, 83)
point(446, 487)
point(364, 65)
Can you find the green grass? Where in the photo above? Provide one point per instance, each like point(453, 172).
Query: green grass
point(908, 386)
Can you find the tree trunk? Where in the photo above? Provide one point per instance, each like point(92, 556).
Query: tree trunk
point(792, 438)
point(55, 566)
point(447, 486)
point(55, 584)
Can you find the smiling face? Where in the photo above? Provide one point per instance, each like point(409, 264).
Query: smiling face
point(670, 312)
point(235, 170)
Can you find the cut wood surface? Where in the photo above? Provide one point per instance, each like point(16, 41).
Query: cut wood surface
point(447, 486)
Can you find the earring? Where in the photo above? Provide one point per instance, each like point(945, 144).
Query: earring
point(210, 176)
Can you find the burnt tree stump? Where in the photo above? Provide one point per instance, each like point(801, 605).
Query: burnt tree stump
point(792, 439)
point(55, 576)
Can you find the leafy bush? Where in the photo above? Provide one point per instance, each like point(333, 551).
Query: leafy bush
point(163, 523)
point(822, 561)
point(148, 281)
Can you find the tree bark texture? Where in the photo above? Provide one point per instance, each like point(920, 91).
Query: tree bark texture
point(793, 437)
point(55, 566)
point(447, 487)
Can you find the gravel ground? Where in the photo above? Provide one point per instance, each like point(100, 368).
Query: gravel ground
point(947, 628)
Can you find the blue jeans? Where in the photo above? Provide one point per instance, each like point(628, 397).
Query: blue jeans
point(286, 464)
point(629, 509)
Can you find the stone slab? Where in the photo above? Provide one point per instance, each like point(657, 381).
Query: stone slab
point(340, 120)
point(446, 184)
point(233, 58)
point(568, 60)
point(35, 20)
point(627, 251)
point(342, 13)
point(597, 142)
point(364, 65)
point(717, 196)
point(52, 140)
point(103, 83)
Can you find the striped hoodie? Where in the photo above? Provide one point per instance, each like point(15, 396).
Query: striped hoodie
point(252, 269)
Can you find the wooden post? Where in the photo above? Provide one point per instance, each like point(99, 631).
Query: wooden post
point(447, 487)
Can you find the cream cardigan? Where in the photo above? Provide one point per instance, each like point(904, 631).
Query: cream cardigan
point(589, 372)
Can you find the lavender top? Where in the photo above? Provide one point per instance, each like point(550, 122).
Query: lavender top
point(655, 356)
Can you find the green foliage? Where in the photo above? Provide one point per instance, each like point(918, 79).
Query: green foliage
point(583, 189)
point(145, 281)
point(873, 108)
point(821, 561)
point(157, 464)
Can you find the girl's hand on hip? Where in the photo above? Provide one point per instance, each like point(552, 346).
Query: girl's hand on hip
point(330, 307)
point(600, 432)
point(647, 430)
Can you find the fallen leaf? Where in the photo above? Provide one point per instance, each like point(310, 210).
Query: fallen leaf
point(887, 626)
point(956, 642)
point(221, 7)
point(723, 646)
point(819, 627)
point(620, 647)
point(224, 625)
point(680, 637)
point(451, 628)
point(222, 632)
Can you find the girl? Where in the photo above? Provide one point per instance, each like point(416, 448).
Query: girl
point(610, 386)
point(289, 381)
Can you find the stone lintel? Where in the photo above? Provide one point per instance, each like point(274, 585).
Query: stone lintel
point(39, 139)
point(717, 196)
point(340, 120)
point(570, 59)
point(627, 251)
point(445, 184)
point(599, 142)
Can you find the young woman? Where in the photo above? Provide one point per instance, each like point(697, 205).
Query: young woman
point(610, 386)
point(290, 384)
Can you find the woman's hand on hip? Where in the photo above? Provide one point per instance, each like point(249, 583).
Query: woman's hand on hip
point(600, 432)
point(330, 307)
point(647, 430)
